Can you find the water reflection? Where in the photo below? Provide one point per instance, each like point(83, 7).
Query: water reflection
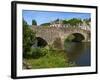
point(78, 53)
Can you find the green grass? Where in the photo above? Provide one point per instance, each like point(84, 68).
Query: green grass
point(52, 59)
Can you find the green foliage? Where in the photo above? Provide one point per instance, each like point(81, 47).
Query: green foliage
point(73, 22)
point(45, 24)
point(50, 47)
point(65, 22)
point(57, 20)
point(28, 38)
point(52, 59)
point(38, 52)
point(34, 22)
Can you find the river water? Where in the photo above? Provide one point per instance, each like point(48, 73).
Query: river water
point(79, 53)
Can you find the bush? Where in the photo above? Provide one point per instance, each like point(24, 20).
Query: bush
point(29, 38)
point(53, 59)
point(39, 52)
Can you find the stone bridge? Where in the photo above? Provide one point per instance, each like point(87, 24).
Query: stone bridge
point(53, 34)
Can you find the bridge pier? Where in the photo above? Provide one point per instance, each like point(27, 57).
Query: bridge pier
point(58, 44)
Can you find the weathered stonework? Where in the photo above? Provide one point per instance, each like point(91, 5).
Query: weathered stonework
point(50, 34)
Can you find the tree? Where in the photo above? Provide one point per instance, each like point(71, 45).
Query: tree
point(34, 22)
point(65, 22)
point(28, 38)
point(73, 22)
point(45, 24)
point(57, 20)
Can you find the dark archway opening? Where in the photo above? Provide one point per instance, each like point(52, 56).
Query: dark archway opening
point(75, 37)
point(78, 37)
point(41, 42)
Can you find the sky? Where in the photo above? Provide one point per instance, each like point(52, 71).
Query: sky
point(48, 16)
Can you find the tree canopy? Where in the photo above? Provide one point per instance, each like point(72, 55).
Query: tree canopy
point(28, 38)
point(73, 22)
point(45, 24)
point(34, 22)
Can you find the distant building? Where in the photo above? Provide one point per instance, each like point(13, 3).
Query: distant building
point(85, 26)
point(56, 23)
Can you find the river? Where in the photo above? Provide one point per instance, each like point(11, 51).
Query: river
point(79, 53)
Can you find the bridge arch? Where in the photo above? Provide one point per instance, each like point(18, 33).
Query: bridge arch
point(41, 42)
point(75, 37)
point(53, 35)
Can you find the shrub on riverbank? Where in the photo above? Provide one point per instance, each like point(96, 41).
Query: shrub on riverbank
point(50, 59)
point(39, 52)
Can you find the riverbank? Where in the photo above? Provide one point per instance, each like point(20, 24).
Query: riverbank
point(52, 59)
